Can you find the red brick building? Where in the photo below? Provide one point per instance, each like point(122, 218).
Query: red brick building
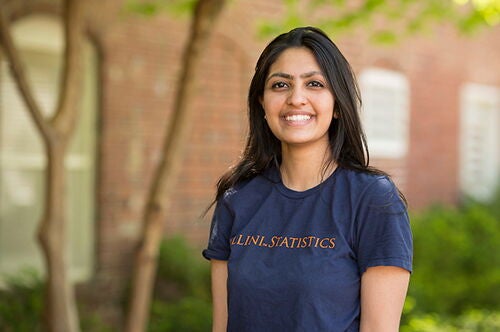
point(432, 112)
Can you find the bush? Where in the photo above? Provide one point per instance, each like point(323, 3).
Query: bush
point(21, 302)
point(182, 270)
point(21, 305)
point(182, 291)
point(189, 314)
point(456, 263)
point(181, 301)
point(471, 321)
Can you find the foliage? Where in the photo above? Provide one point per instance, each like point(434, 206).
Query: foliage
point(488, 10)
point(182, 268)
point(387, 21)
point(474, 320)
point(188, 314)
point(182, 290)
point(152, 7)
point(456, 261)
point(456, 270)
point(90, 320)
point(21, 302)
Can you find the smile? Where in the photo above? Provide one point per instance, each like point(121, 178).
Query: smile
point(297, 117)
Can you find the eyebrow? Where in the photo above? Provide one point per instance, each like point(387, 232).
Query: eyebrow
point(290, 77)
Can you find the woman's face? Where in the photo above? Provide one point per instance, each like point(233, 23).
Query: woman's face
point(297, 101)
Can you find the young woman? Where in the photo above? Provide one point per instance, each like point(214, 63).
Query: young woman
point(306, 236)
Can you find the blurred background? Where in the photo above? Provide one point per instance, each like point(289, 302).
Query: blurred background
point(429, 74)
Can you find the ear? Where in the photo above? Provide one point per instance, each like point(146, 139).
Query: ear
point(261, 101)
point(336, 114)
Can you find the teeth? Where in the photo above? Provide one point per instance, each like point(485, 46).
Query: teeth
point(297, 117)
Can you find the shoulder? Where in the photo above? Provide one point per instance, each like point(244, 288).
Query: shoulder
point(366, 187)
point(248, 191)
point(363, 182)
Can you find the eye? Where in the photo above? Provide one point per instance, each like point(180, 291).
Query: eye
point(316, 84)
point(279, 85)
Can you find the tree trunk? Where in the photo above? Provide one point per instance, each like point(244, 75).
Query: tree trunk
point(204, 18)
point(60, 314)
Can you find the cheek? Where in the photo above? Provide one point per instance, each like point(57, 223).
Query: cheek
point(272, 104)
point(325, 107)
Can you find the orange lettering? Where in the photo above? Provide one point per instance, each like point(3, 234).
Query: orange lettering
point(323, 246)
point(274, 241)
point(332, 243)
point(303, 242)
point(317, 240)
point(255, 239)
point(239, 240)
point(284, 242)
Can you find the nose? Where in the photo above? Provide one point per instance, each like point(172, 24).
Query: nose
point(297, 96)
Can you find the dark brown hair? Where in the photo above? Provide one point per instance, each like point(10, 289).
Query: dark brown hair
point(346, 137)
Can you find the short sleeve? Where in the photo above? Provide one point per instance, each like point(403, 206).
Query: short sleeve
point(383, 233)
point(220, 231)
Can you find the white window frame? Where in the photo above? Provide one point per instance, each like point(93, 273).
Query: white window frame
point(395, 144)
point(479, 146)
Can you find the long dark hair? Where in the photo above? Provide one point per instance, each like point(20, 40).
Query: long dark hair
point(346, 137)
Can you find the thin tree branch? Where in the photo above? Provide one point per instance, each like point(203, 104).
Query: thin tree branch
point(70, 85)
point(205, 14)
point(17, 71)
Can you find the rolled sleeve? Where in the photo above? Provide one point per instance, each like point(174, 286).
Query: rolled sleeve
point(220, 230)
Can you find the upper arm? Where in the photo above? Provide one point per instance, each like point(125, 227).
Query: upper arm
point(383, 292)
point(219, 294)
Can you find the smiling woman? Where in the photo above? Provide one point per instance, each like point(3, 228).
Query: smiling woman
point(306, 236)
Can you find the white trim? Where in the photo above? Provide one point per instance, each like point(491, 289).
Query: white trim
point(479, 140)
point(379, 86)
point(39, 32)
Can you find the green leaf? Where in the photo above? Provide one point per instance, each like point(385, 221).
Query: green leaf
point(142, 8)
point(154, 7)
point(180, 7)
point(372, 5)
point(385, 37)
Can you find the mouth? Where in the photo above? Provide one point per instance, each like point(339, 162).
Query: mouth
point(297, 117)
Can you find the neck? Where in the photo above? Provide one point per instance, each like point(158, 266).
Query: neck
point(304, 168)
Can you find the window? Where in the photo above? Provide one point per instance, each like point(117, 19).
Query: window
point(385, 112)
point(22, 161)
point(479, 140)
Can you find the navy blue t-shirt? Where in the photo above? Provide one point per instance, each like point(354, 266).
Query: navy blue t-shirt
point(295, 259)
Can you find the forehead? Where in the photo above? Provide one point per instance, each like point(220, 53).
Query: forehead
point(295, 60)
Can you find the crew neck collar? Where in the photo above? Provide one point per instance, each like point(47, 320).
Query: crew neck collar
point(275, 176)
